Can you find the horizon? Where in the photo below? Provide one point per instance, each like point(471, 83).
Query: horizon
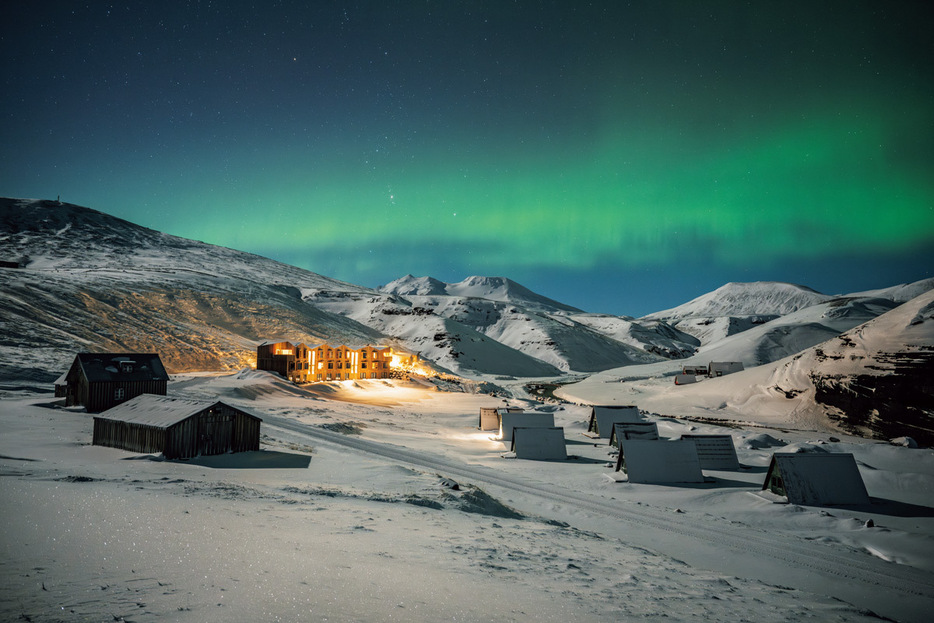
point(620, 159)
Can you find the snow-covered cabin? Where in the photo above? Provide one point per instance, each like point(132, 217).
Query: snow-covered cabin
point(541, 444)
point(715, 451)
point(177, 428)
point(721, 368)
point(816, 478)
point(685, 379)
point(533, 419)
point(602, 418)
point(659, 462)
point(101, 380)
point(633, 430)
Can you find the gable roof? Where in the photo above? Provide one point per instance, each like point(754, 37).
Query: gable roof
point(633, 430)
point(544, 444)
point(817, 478)
point(531, 419)
point(659, 462)
point(602, 418)
point(715, 451)
point(159, 411)
point(106, 367)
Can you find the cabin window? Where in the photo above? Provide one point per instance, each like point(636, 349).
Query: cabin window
point(363, 365)
point(330, 365)
point(319, 377)
point(119, 393)
point(340, 365)
point(363, 354)
point(340, 354)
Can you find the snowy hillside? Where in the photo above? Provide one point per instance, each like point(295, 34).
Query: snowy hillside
point(873, 379)
point(95, 282)
point(89, 281)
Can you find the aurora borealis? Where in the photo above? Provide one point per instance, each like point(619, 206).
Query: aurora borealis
point(621, 157)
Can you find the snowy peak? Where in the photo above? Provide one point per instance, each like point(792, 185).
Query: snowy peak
point(415, 286)
point(760, 298)
point(498, 289)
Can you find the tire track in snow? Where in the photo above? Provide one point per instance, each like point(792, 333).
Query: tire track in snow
point(875, 574)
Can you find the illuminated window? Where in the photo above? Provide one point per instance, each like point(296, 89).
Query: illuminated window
point(340, 365)
point(319, 377)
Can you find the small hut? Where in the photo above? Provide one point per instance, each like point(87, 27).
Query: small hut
point(176, 428)
point(602, 418)
point(511, 420)
point(633, 430)
point(659, 462)
point(816, 478)
point(541, 444)
point(490, 416)
point(715, 451)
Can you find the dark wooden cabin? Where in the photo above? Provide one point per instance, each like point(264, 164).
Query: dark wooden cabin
point(101, 380)
point(177, 428)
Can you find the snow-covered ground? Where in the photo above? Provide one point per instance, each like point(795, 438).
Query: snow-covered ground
point(342, 515)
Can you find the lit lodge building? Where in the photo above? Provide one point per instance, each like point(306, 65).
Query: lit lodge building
point(323, 362)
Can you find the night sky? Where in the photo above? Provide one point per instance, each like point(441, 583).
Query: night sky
point(621, 157)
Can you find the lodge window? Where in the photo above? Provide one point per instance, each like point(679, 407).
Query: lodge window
point(340, 354)
point(340, 365)
point(119, 393)
point(319, 377)
point(337, 376)
point(363, 354)
point(363, 365)
point(330, 365)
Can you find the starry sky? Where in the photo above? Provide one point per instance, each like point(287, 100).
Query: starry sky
point(622, 157)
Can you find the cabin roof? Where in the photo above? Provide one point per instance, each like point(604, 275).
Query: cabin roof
point(105, 367)
point(159, 411)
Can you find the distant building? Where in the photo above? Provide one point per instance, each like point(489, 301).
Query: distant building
point(98, 381)
point(694, 370)
point(720, 368)
point(291, 361)
point(323, 362)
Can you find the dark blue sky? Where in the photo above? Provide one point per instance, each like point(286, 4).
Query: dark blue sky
point(620, 157)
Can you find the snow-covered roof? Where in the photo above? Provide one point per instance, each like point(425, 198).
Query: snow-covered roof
point(602, 417)
point(659, 462)
point(158, 411)
point(818, 478)
point(105, 367)
point(543, 444)
point(510, 420)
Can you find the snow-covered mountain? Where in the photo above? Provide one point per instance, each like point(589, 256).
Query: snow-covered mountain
point(874, 378)
point(498, 289)
point(760, 298)
point(90, 281)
